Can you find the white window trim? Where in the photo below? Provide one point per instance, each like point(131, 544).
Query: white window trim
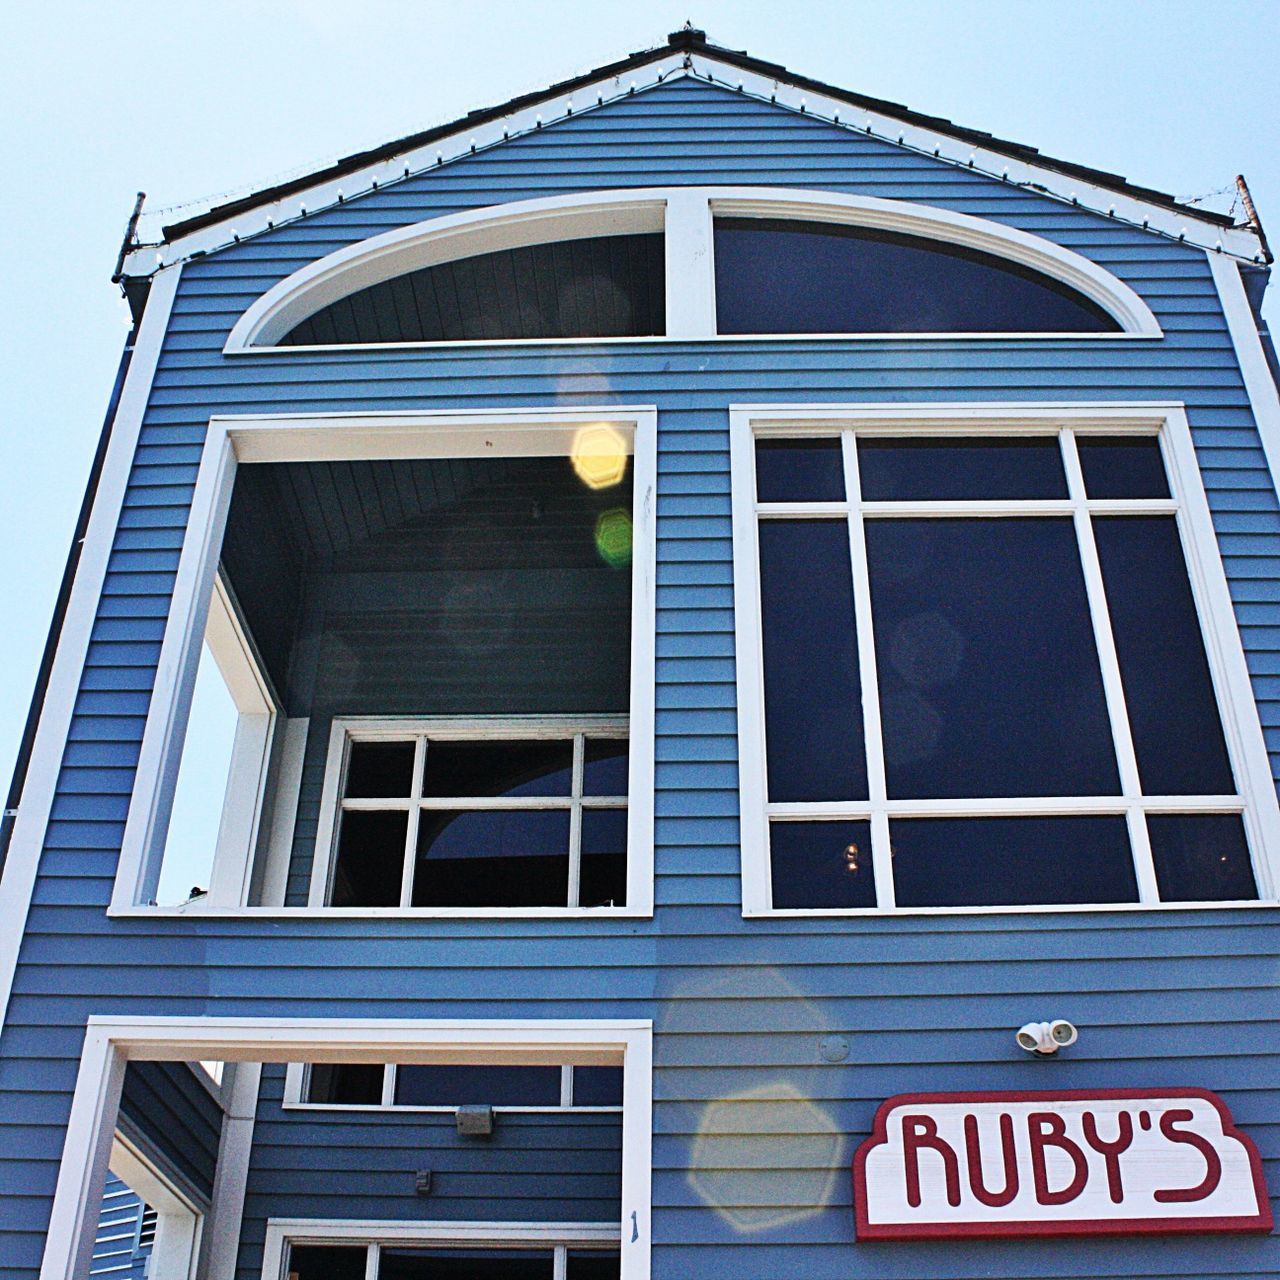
point(296, 1075)
point(110, 1043)
point(1224, 650)
point(345, 730)
point(687, 214)
point(326, 437)
point(282, 1232)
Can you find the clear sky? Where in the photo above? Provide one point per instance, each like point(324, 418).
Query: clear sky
point(185, 100)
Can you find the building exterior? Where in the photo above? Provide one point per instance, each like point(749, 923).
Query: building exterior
point(737, 598)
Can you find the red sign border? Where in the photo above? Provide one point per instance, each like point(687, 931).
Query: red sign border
point(1259, 1223)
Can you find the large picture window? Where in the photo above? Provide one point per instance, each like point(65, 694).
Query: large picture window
point(982, 677)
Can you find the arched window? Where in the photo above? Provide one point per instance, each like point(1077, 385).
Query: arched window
point(778, 275)
point(599, 287)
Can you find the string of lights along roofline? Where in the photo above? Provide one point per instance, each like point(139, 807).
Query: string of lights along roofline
point(865, 128)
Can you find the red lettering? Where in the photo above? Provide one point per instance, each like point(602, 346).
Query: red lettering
point(921, 1133)
point(973, 1150)
point(1047, 1129)
point(1111, 1151)
point(1213, 1164)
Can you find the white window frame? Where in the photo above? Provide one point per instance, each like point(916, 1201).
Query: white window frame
point(297, 1077)
point(346, 730)
point(1224, 650)
point(112, 1042)
point(685, 215)
point(232, 440)
point(560, 1237)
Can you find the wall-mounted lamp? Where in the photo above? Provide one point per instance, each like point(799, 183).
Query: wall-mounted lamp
point(1045, 1038)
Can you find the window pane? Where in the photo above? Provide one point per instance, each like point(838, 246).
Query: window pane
point(370, 862)
point(594, 1264)
point(970, 862)
point(597, 1086)
point(596, 287)
point(604, 767)
point(492, 768)
point(812, 696)
point(1201, 857)
point(1167, 686)
point(799, 471)
point(466, 1264)
point(1122, 467)
point(821, 864)
point(350, 1083)
point(380, 770)
point(779, 276)
point(602, 881)
point(327, 1262)
point(989, 677)
point(478, 1085)
point(494, 858)
point(948, 470)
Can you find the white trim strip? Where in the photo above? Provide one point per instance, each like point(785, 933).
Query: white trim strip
point(22, 864)
point(1264, 398)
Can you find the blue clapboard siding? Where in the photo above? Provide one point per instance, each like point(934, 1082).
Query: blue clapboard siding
point(344, 1164)
point(119, 1251)
point(177, 1115)
point(742, 1096)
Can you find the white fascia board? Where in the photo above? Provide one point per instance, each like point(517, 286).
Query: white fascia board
point(1176, 223)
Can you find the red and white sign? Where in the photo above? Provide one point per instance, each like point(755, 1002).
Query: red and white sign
point(1072, 1163)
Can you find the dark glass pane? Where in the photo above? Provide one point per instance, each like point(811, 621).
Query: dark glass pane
point(380, 770)
point(597, 1086)
point(776, 276)
point(821, 864)
point(812, 695)
point(600, 286)
point(948, 470)
point(493, 768)
point(973, 862)
point(1167, 686)
point(493, 858)
point(479, 1085)
point(603, 878)
point(604, 767)
point(370, 862)
point(989, 676)
point(352, 1083)
point(799, 471)
point(466, 1264)
point(327, 1261)
point(1201, 857)
point(1122, 467)
point(594, 1264)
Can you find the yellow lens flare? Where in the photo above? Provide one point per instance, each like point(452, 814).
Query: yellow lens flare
point(613, 538)
point(599, 456)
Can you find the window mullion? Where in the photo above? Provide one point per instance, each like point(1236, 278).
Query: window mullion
point(877, 790)
point(411, 827)
point(389, 1084)
point(566, 1085)
point(1117, 711)
point(372, 1259)
point(575, 818)
point(560, 1267)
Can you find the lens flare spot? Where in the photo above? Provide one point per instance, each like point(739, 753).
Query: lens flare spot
point(613, 538)
point(766, 1157)
point(599, 456)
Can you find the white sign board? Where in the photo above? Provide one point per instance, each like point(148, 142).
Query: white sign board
point(1071, 1163)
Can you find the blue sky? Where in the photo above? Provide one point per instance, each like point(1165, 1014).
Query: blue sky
point(186, 100)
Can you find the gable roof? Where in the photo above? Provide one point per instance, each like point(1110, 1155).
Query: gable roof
point(688, 52)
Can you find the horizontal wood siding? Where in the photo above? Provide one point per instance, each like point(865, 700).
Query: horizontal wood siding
point(336, 1164)
point(753, 1130)
point(177, 1115)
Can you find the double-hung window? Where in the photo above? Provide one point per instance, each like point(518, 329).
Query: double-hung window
point(973, 667)
point(481, 814)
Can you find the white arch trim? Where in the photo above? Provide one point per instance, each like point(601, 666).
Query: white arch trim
point(685, 213)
